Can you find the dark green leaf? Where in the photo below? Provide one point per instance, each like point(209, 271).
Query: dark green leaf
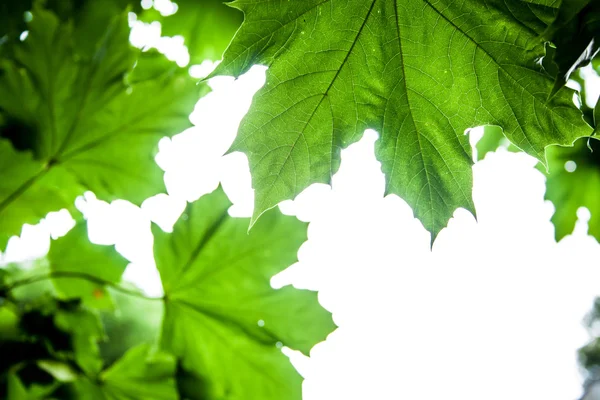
point(85, 330)
point(576, 34)
point(418, 72)
point(222, 318)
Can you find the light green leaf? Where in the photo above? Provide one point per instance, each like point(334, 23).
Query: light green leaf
point(222, 318)
point(16, 389)
point(597, 117)
point(207, 27)
point(569, 191)
point(79, 115)
point(60, 371)
point(134, 320)
point(77, 259)
point(418, 72)
point(142, 373)
point(37, 189)
point(493, 138)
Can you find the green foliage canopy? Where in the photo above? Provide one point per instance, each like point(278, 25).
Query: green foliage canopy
point(76, 124)
point(80, 109)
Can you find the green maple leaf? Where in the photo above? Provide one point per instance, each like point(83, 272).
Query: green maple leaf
point(84, 124)
point(222, 318)
point(418, 72)
point(569, 191)
point(37, 189)
point(75, 260)
point(142, 373)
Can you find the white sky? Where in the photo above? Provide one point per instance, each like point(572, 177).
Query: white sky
point(494, 311)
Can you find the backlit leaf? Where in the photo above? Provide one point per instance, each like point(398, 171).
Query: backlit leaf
point(418, 72)
point(77, 114)
point(74, 254)
point(222, 318)
point(574, 182)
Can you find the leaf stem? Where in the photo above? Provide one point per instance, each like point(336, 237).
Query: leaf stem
point(80, 275)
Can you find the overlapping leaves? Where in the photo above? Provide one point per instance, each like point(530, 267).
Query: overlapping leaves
point(223, 323)
point(418, 72)
point(576, 33)
point(71, 122)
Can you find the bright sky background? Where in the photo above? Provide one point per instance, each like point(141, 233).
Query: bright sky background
point(494, 311)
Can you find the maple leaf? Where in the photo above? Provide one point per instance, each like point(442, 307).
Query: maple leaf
point(78, 123)
point(419, 72)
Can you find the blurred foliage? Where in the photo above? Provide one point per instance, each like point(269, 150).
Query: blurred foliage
point(219, 314)
point(81, 109)
point(207, 26)
point(73, 121)
point(589, 355)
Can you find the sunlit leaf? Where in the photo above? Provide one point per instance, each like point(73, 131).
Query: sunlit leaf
point(418, 72)
point(574, 182)
point(134, 320)
point(222, 318)
point(37, 189)
point(81, 268)
point(79, 115)
point(142, 373)
point(206, 26)
point(492, 139)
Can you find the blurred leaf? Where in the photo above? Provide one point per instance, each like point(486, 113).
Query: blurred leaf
point(493, 138)
point(29, 190)
point(85, 329)
point(569, 191)
point(75, 254)
point(133, 321)
point(60, 371)
point(191, 386)
point(222, 318)
point(207, 27)
point(419, 73)
point(597, 117)
point(16, 390)
point(9, 322)
point(50, 342)
point(142, 373)
point(84, 123)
